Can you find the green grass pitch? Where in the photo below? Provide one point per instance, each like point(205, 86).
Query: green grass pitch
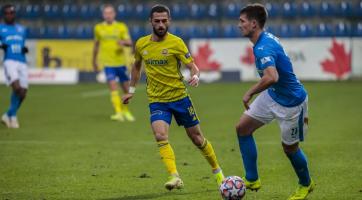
point(67, 148)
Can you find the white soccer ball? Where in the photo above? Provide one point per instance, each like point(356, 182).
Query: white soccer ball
point(232, 188)
point(101, 77)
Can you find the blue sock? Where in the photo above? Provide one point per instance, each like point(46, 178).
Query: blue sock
point(14, 105)
point(249, 154)
point(300, 165)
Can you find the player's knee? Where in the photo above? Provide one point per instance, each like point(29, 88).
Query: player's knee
point(197, 139)
point(241, 130)
point(290, 149)
point(21, 92)
point(161, 136)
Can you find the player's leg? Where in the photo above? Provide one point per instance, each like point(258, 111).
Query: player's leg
point(293, 127)
point(245, 129)
point(186, 116)
point(115, 96)
point(124, 82)
point(160, 122)
point(252, 119)
point(17, 97)
point(16, 77)
point(207, 151)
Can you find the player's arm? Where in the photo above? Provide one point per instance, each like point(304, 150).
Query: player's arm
point(95, 55)
point(194, 73)
point(125, 43)
point(25, 49)
point(270, 76)
point(184, 55)
point(135, 77)
point(125, 40)
point(3, 46)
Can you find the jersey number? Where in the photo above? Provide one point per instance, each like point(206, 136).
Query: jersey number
point(295, 132)
point(15, 48)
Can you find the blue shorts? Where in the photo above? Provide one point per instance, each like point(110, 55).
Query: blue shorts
point(183, 111)
point(112, 73)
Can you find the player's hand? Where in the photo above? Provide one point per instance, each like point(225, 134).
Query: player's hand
point(246, 99)
point(4, 46)
point(95, 66)
point(194, 81)
point(126, 98)
point(121, 43)
point(25, 50)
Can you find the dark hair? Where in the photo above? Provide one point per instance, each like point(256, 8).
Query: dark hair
point(160, 8)
point(255, 11)
point(107, 5)
point(7, 6)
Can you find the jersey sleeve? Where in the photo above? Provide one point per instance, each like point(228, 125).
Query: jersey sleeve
point(125, 33)
point(182, 52)
point(97, 37)
point(265, 56)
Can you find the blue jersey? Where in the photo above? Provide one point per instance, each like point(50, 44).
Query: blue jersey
point(288, 91)
point(13, 36)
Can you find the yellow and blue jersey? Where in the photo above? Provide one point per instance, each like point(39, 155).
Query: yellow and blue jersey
point(111, 54)
point(162, 61)
point(13, 36)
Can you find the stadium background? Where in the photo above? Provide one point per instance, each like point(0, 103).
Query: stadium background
point(67, 148)
point(318, 35)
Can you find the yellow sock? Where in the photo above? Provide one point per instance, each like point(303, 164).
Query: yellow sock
point(116, 101)
point(208, 152)
point(124, 107)
point(167, 157)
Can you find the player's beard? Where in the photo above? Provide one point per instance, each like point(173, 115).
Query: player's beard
point(10, 20)
point(159, 33)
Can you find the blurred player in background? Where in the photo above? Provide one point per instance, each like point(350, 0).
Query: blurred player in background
point(12, 38)
point(282, 97)
point(111, 39)
point(162, 54)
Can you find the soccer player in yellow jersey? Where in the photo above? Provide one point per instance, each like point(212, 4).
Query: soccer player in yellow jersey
point(162, 54)
point(111, 38)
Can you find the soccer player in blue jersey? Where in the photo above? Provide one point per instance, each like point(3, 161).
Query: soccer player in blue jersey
point(12, 38)
point(281, 97)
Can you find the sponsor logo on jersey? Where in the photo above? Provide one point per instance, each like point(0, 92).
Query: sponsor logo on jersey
point(156, 62)
point(265, 60)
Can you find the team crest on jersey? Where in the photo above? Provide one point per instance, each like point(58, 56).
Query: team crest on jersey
point(145, 52)
point(164, 51)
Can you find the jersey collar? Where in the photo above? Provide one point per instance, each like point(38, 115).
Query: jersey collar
point(260, 37)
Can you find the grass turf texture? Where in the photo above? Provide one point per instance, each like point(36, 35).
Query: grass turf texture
point(67, 148)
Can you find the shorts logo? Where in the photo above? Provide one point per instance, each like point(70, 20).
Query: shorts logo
point(265, 60)
point(188, 55)
point(156, 112)
point(164, 52)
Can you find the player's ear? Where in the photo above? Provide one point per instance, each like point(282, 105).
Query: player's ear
point(254, 23)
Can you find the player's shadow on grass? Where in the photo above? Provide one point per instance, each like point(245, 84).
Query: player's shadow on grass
point(156, 195)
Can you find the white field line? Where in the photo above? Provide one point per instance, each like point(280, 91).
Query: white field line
point(102, 92)
point(95, 93)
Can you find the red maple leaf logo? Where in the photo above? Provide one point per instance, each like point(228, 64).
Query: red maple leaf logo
point(340, 64)
point(202, 57)
point(248, 58)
